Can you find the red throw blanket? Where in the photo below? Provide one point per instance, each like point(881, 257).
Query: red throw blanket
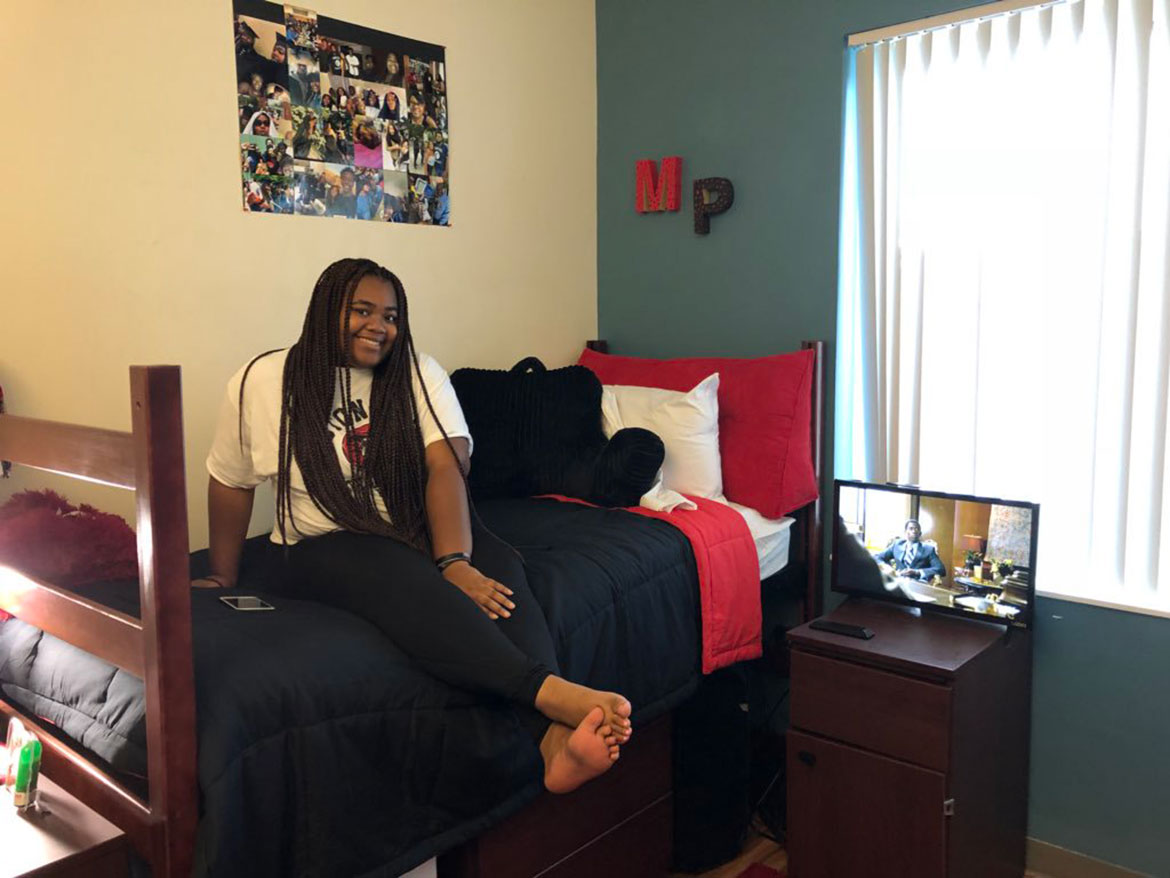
point(729, 578)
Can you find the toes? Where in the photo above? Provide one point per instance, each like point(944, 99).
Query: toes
point(594, 719)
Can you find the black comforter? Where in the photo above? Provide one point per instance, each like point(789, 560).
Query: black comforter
point(324, 751)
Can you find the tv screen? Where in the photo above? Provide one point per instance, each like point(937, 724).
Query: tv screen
point(973, 556)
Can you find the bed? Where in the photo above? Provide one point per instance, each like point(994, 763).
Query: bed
point(312, 776)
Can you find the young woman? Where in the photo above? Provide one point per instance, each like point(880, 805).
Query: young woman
point(391, 108)
point(369, 451)
point(393, 74)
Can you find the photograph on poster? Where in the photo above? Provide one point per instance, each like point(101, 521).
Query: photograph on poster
point(338, 132)
point(341, 190)
point(300, 27)
point(388, 65)
point(304, 82)
point(393, 108)
point(417, 115)
point(368, 184)
point(416, 164)
point(396, 149)
point(338, 89)
point(394, 199)
point(308, 134)
point(267, 194)
point(435, 153)
point(428, 201)
point(378, 100)
point(367, 142)
point(418, 75)
point(265, 156)
point(327, 189)
point(261, 55)
point(342, 58)
point(340, 120)
point(267, 123)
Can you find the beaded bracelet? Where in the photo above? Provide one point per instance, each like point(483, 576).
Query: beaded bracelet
point(447, 560)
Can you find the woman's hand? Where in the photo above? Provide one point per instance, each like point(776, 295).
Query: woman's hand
point(492, 597)
point(210, 581)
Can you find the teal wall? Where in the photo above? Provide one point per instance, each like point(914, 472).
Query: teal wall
point(752, 90)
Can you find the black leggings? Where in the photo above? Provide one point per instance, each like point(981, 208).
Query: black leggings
point(399, 590)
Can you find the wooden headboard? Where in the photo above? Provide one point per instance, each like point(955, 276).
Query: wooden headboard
point(157, 647)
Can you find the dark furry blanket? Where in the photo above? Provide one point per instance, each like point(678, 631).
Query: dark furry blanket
point(44, 535)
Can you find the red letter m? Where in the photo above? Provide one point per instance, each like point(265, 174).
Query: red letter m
point(649, 184)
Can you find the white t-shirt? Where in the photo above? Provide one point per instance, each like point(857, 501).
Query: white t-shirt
point(257, 460)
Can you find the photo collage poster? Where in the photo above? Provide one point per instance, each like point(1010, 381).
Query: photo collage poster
point(338, 120)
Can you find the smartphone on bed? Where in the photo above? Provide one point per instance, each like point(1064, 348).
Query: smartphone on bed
point(246, 602)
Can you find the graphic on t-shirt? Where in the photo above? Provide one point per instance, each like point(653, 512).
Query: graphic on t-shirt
point(354, 444)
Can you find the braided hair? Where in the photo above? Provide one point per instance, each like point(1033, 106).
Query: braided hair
point(393, 465)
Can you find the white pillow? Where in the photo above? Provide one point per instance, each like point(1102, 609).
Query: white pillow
point(687, 423)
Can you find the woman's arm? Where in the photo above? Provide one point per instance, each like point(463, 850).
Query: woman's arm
point(450, 523)
point(228, 512)
point(447, 512)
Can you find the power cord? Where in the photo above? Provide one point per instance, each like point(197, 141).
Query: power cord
point(759, 823)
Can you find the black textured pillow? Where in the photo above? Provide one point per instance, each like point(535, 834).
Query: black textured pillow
point(626, 468)
point(538, 431)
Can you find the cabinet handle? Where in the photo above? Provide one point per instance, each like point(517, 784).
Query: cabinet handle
point(807, 758)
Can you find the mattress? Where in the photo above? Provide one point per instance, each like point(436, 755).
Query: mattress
point(771, 536)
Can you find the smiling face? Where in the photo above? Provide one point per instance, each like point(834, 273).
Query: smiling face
point(372, 324)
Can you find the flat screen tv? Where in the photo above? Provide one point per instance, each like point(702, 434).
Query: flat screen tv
point(951, 553)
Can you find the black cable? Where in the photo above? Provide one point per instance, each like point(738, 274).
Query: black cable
point(775, 707)
point(758, 822)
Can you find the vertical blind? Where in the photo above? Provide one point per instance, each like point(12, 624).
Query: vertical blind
point(1004, 326)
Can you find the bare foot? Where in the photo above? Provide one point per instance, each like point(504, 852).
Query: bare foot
point(569, 704)
point(574, 756)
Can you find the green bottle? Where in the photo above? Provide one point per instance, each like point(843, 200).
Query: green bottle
point(35, 771)
point(23, 774)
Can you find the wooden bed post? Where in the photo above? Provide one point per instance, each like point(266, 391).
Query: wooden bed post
point(813, 532)
point(155, 647)
point(164, 588)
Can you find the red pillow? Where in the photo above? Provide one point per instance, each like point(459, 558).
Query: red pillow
point(765, 411)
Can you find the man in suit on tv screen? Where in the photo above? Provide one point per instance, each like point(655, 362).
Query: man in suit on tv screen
point(910, 557)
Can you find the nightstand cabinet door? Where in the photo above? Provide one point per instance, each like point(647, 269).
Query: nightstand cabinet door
point(845, 804)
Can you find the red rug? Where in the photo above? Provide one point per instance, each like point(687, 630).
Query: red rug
point(758, 870)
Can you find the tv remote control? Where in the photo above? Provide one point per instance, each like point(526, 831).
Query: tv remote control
point(857, 631)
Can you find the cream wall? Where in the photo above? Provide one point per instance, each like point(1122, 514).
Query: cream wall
point(124, 241)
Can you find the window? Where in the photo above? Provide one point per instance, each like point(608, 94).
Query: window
point(1004, 327)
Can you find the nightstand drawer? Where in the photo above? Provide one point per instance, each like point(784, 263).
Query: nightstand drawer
point(901, 717)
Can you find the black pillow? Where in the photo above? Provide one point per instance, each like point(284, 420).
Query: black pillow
point(626, 468)
point(538, 431)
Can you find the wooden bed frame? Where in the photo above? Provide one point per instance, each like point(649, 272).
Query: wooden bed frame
point(620, 822)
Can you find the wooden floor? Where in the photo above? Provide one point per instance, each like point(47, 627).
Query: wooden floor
point(757, 850)
point(763, 850)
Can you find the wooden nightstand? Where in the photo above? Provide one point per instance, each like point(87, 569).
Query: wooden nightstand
point(62, 839)
point(908, 754)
